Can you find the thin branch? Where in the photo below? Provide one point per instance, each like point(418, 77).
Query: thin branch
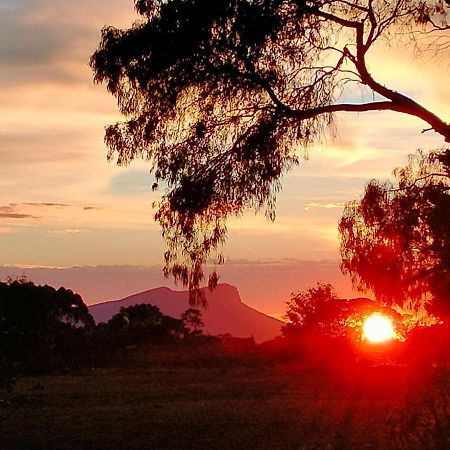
point(373, 26)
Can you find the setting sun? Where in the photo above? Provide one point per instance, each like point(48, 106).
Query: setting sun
point(378, 328)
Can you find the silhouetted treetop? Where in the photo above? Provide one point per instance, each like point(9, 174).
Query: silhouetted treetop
point(142, 323)
point(192, 319)
point(40, 326)
point(26, 306)
point(305, 309)
point(220, 95)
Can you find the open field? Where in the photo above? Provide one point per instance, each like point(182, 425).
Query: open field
point(185, 408)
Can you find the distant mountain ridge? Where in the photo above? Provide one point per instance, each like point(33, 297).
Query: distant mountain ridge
point(225, 312)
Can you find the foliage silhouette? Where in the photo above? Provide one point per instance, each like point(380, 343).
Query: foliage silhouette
point(396, 240)
point(141, 336)
point(40, 325)
point(144, 323)
point(219, 95)
point(305, 310)
point(192, 319)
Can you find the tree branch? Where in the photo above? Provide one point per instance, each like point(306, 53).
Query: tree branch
point(342, 107)
point(373, 26)
point(399, 102)
point(396, 101)
point(333, 18)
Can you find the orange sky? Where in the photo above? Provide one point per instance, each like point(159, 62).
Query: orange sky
point(63, 205)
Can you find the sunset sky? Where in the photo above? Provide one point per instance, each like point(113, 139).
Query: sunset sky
point(63, 205)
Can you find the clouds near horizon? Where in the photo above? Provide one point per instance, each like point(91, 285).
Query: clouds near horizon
point(264, 284)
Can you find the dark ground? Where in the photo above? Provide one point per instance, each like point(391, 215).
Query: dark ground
point(183, 408)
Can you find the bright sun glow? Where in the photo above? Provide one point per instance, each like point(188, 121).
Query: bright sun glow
point(378, 328)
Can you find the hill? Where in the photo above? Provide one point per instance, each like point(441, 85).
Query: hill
point(225, 312)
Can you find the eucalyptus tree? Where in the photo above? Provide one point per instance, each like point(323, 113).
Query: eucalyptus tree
point(219, 96)
point(395, 241)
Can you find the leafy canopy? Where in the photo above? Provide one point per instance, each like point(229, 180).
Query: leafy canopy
point(396, 240)
point(219, 96)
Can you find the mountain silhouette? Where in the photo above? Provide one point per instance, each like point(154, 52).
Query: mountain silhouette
point(225, 312)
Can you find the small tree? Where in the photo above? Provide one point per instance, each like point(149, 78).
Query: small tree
point(309, 309)
point(192, 319)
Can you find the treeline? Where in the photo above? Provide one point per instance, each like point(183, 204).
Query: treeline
point(48, 330)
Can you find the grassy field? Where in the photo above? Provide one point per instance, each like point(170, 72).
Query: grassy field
point(183, 408)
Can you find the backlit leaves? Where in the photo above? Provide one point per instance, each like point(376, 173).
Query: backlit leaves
point(396, 240)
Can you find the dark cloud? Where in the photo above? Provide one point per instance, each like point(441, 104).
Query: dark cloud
point(11, 211)
point(8, 208)
point(88, 208)
point(5, 215)
point(14, 206)
point(62, 205)
point(14, 210)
